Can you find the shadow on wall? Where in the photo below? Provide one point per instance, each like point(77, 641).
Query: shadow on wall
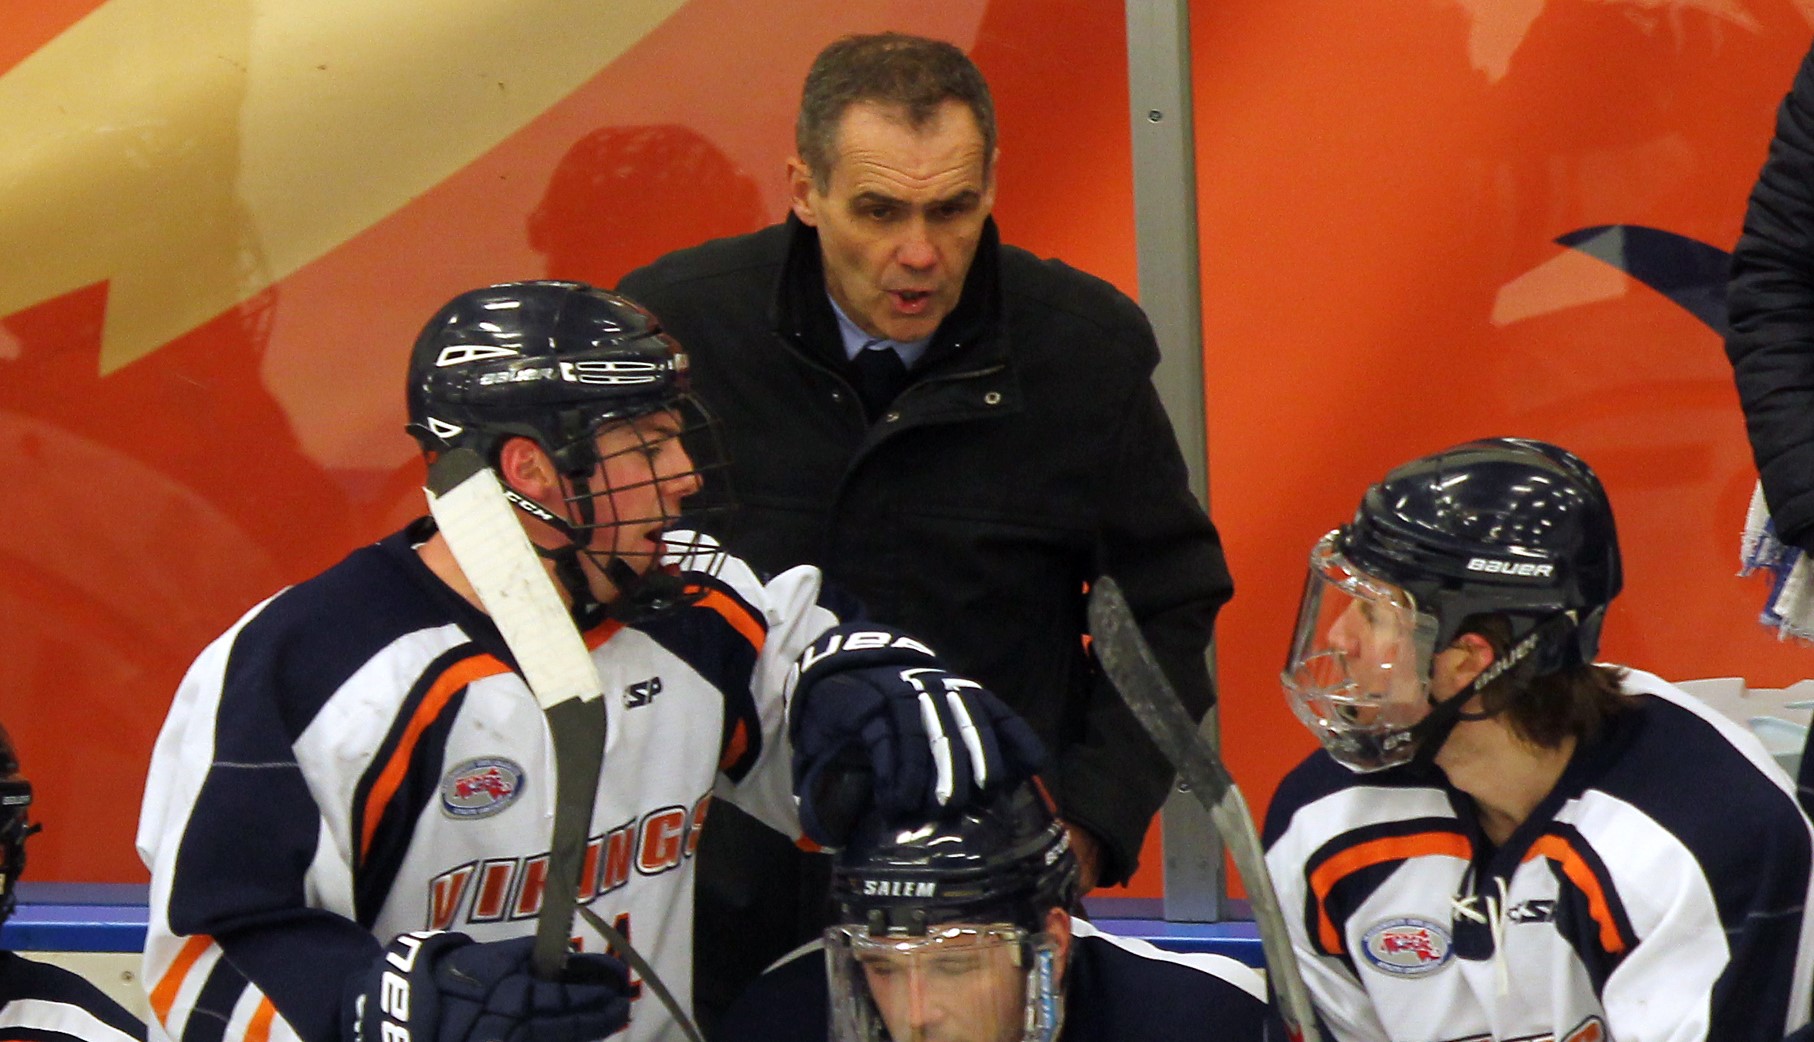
point(158, 502)
point(623, 196)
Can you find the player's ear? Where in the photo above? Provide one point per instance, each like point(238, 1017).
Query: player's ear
point(1476, 654)
point(801, 191)
point(525, 467)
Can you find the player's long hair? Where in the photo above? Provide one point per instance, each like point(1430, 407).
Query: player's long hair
point(1574, 702)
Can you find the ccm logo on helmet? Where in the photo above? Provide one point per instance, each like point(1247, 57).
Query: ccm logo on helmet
point(1534, 571)
point(896, 888)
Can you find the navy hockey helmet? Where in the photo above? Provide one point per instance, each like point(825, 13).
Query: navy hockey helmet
point(552, 361)
point(942, 929)
point(558, 363)
point(1507, 526)
point(1007, 860)
point(15, 801)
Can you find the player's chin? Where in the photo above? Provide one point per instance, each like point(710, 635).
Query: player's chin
point(653, 547)
point(647, 555)
point(640, 562)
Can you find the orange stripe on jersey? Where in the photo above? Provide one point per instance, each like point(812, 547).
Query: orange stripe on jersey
point(736, 614)
point(602, 632)
point(1366, 855)
point(456, 678)
point(164, 995)
point(736, 747)
point(1563, 853)
point(258, 1029)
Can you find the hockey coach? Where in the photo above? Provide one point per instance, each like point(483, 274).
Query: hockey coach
point(960, 433)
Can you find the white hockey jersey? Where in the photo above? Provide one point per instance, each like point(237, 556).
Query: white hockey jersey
point(1656, 895)
point(357, 758)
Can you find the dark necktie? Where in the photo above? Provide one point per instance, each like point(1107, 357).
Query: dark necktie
point(880, 376)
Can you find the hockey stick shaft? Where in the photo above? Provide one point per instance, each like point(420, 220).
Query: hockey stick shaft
point(1135, 672)
point(631, 956)
point(495, 555)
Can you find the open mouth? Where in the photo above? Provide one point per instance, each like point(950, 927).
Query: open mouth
point(911, 301)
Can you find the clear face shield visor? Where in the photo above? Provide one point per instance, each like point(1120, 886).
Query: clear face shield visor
point(967, 983)
point(1359, 668)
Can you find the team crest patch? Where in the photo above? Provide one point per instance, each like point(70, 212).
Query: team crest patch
point(480, 787)
point(1407, 946)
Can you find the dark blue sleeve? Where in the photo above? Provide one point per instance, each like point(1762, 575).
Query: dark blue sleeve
point(789, 1003)
point(239, 876)
point(1770, 309)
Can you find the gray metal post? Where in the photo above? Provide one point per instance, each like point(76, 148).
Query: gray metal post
point(1165, 222)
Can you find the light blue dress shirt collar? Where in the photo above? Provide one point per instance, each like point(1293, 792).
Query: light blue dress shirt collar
point(856, 340)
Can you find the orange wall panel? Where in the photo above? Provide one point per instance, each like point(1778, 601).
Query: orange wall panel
point(1382, 188)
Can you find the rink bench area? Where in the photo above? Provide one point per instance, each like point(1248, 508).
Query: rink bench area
point(77, 917)
point(111, 918)
point(98, 929)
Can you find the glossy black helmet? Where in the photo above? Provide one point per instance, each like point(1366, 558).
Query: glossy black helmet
point(559, 363)
point(552, 361)
point(15, 803)
point(1007, 860)
point(1505, 526)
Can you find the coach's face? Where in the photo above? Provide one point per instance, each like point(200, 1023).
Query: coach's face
point(900, 215)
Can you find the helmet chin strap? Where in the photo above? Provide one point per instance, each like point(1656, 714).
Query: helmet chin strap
point(1433, 730)
point(637, 593)
point(567, 569)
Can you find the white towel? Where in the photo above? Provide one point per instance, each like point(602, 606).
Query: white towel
point(1790, 607)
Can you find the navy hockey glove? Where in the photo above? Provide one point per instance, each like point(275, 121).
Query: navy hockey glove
point(446, 987)
point(876, 716)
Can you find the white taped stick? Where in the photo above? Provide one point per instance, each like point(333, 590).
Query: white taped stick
point(488, 542)
point(494, 553)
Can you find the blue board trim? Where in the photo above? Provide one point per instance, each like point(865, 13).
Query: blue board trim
point(111, 917)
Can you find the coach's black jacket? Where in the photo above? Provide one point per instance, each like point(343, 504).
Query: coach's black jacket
point(1029, 455)
point(1771, 308)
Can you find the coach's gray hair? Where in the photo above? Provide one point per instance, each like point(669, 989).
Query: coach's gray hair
point(895, 69)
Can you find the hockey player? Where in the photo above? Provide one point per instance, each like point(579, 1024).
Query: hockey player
point(959, 929)
point(358, 759)
point(40, 1002)
point(1503, 839)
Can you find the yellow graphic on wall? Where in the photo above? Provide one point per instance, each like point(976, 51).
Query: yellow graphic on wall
point(192, 152)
